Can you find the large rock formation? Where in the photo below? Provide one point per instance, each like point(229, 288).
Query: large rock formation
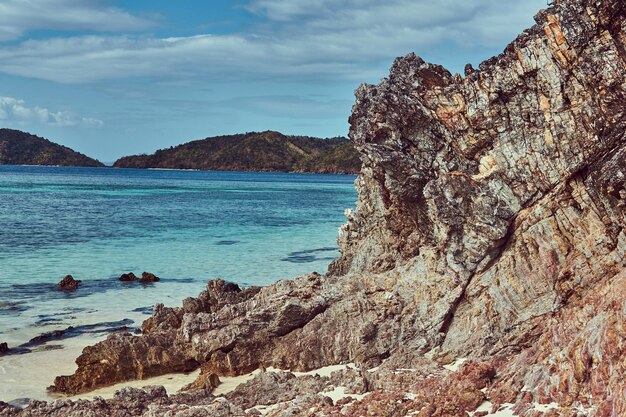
point(490, 225)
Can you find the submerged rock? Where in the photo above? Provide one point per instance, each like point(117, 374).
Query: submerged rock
point(489, 226)
point(128, 277)
point(148, 277)
point(69, 283)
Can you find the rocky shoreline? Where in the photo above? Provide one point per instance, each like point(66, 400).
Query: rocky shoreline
point(71, 285)
point(482, 273)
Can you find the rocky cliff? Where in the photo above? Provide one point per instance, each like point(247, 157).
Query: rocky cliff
point(489, 226)
point(21, 148)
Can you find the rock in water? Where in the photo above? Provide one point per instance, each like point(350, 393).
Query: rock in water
point(489, 226)
point(148, 277)
point(69, 283)
point(128, 277)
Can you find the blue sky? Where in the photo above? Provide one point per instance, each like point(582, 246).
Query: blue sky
point(117, 77)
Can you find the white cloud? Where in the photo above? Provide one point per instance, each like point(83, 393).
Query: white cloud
point(337, 39)
point(332, 14)
point(289, 106)
point(17, 17)
point(16, 110)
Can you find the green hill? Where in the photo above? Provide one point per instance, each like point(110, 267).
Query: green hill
point(256, 151)
point(21, 148)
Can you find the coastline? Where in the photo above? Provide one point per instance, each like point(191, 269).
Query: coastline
point(344, 387)
point(356, 173)
point(26, 376)
point(62, 330)
point(482, 273)
point(36, 316)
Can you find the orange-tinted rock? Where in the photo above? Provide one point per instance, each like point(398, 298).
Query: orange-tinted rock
point(205, 381)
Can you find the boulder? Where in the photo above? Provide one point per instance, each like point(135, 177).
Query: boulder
point(148, 277)
point(69, 283)
point(129, 277)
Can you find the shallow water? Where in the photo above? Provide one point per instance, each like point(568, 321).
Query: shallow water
point(184, 226)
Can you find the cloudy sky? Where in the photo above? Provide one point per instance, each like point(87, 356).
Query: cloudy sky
point(117, 77)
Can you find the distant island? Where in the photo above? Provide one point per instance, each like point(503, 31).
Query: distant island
point(21, 148)
point(255, 151)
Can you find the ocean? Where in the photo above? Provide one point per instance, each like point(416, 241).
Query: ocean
point(184, 226)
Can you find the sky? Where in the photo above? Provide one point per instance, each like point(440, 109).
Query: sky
point(118, 77)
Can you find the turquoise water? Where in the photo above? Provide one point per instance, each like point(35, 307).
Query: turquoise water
point(184, 226)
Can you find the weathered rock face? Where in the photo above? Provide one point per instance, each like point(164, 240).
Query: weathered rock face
point(501, 192)
point(495, 197)
point(490, 224)
point(161, 348)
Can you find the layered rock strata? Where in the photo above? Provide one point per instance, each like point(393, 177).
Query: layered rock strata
point(490, 225)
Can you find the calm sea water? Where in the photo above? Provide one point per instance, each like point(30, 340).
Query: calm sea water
point(184, 226)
